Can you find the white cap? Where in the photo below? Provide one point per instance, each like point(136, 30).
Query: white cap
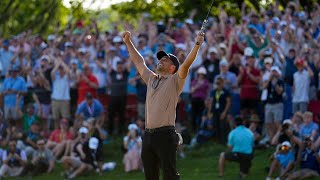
point(276, 68)
point(213, 50)
point(223, 62)
point(68, 44)
point(223, 45)
point(293, 27)
point(287, 121)
point(268, 60)
point(43, 45)
point(286, 143)
point(93, 143)
point(189, 21)
point(248, 51)
point(181, 46)
point(82, 50)
point(83, 130)
point(283, 23)
point(45, 57)
point(132, 127)
point(74, 61)
point(51, 37)
point(202, 70)
point(117, 39)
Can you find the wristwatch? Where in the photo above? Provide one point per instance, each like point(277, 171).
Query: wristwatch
point(197, 43)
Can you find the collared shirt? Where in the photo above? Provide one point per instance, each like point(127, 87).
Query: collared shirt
point(162, 99)
point(241, 140)
point(5, 58)
point(301, 86)
point(61, 87)
point(16, 84)
point(94, 110)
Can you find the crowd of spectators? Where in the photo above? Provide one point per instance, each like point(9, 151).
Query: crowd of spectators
point(65, 93)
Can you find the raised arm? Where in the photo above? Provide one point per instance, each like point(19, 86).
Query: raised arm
point(184, 68)
point(135, 56)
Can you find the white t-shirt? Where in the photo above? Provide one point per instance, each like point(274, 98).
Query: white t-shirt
point(99, 74)
point(61, 88)
point(301, 86)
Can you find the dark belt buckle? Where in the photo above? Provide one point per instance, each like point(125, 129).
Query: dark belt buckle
point(151, 130)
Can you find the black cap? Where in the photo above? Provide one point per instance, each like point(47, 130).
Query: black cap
point(89, 95)
point(172, 57)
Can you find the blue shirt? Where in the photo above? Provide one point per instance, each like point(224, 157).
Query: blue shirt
point(95, 110)
point(5, 58)
point(241, 140)
point(309, 160)
point(285, 159)
point(306, 130)
point(17, 84)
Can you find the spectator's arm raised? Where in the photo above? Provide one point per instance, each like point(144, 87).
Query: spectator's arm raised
point(136, 57)
point(184, 68)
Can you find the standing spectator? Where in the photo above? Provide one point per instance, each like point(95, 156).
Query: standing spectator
point(87, 82)
point(309, 128)
point(12, 86)
point(13, 160)
point(240, 149)
point(220, 103)
point(248, 79)
point(211, 64)
point(283, 160)
point(5, 57)
point(30, 138)
point(74, 72)
point(274, 102)
point(60, 91)
point(118, 98)
point(199, 91)
point(42, 161)
point(141, 94)
point(132, 144)
point(301, 85)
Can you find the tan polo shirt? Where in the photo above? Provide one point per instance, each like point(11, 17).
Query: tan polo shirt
point(162, 98)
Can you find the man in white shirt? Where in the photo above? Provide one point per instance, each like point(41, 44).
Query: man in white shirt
point(301, 85)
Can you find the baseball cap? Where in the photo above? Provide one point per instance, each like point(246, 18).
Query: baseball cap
point(299, 62)
point(172, 57)
point(89, 95)
point(44, 57)
point(224, 62)
point(287, 121)
point(223, 45)
point(213, 50)
point(93, 143)
point(189, 21)
point(181, 46)
point(202, 70)
point(268, 60)
point(68, 44)
point(51, 37)
point(248, 51)
point(276, 68)
point(275, 20)
point(117, 39)
point(83, 130)
point(286, 143)
point(15, 68)
point(82, 50)
point(132, 127)
point(6, 42)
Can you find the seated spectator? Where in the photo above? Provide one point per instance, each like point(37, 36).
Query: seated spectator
point(285, 133)
point(42, 161)
point(283, 160)
point(4, 132)
point(59, 140)
point(308, 128)
point(132, 144)
point(87, 162)
point(297, 121)
point(29, 141)
point(309, 159)
point(90, 108)
point(240, 148)
point(206, 130)
point(13, 160)
point(29, 117)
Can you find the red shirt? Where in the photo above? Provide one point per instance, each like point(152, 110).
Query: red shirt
point(249, 89)
point(84, 88)
point(57, 136)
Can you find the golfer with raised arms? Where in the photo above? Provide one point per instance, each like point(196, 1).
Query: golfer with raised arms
point(160, 140)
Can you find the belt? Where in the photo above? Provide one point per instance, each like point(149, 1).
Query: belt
point(159, 129)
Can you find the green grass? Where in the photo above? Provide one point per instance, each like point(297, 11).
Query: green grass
point(201, 163)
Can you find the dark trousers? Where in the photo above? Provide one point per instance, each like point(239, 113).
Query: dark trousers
point(117, 107)
point(197, 110)
point(159, 151)
point(221, 128)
